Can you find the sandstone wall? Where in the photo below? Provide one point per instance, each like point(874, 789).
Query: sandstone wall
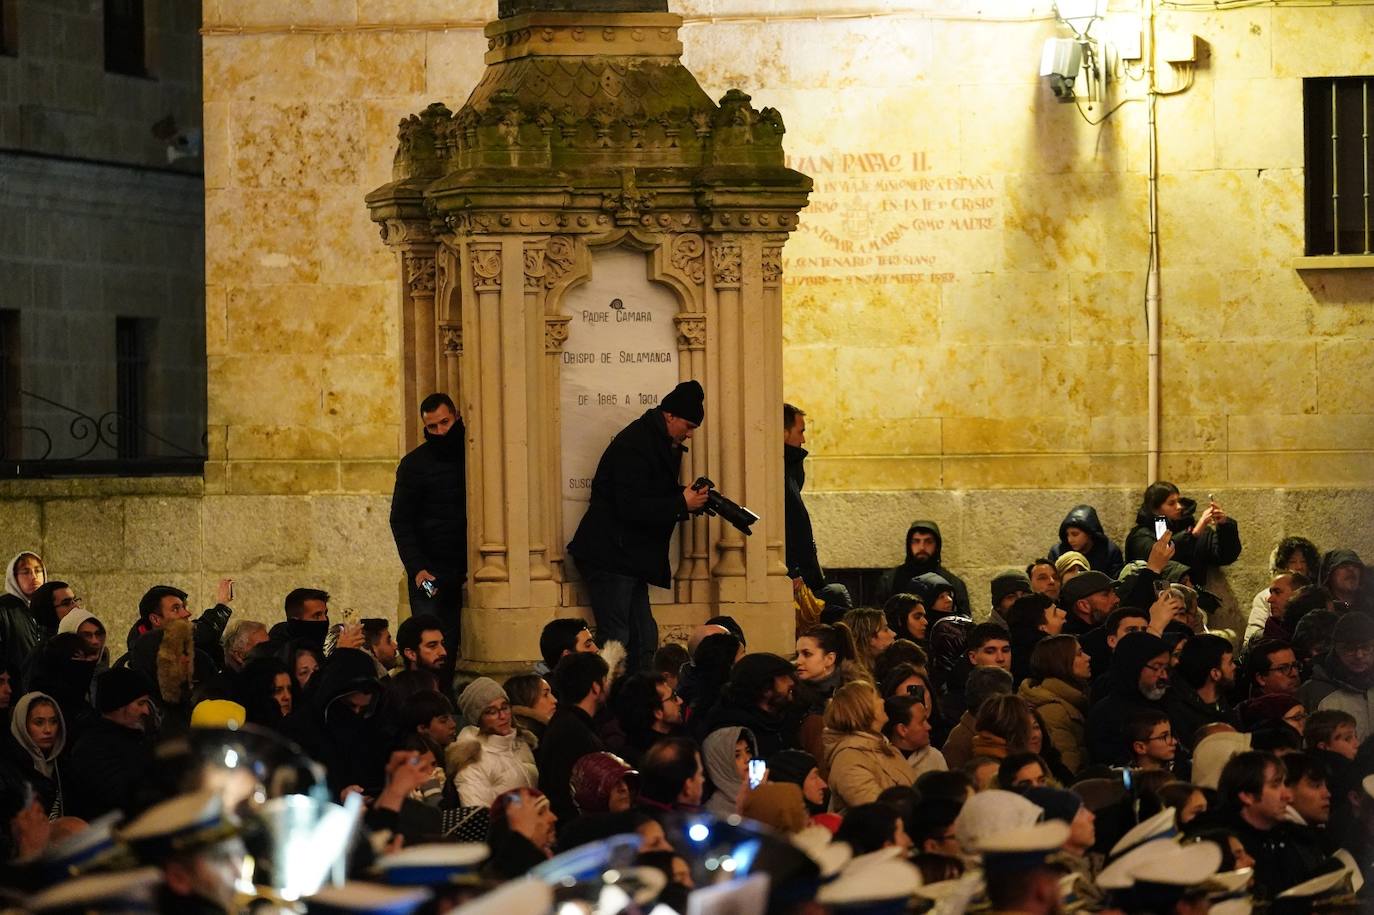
point(986, 372)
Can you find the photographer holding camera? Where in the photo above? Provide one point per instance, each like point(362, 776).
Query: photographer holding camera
point(621, 545)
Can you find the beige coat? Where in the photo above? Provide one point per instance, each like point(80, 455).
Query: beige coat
point(1062, 706)
point(862, 766)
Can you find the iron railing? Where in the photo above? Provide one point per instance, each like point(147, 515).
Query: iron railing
point(33, 451)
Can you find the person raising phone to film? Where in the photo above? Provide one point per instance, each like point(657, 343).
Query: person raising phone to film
point(1201, 540)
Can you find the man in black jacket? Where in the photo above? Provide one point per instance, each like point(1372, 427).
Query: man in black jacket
point(621, 545)
point(1140, 680)
point(579, 682)
point(802, 563)
point(115, 754)
point(429, 512)
point(924, 548)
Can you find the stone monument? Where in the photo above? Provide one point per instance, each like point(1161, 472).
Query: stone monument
point(586, 230)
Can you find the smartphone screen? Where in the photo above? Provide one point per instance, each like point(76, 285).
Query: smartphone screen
point(1161, 525)
point(756, 770)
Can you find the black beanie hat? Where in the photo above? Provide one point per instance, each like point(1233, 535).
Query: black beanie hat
point(687, 401)
point(790, 766)
point(119, 686)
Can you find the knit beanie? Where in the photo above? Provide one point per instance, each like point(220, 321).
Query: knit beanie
point(777, 804)
point(687, 401)
point(1353, 628)
point(479, 694)
point(119, 686)
point(1069, 559)
point(790, 766)
point(1057, 803)
point(593, 778)
point(1009, 582)
point(1265, 710)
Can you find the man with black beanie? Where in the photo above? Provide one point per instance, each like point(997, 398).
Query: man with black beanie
point(621, 545)
point(114, 754)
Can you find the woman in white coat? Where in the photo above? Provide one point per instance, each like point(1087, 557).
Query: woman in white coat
point(492, 756)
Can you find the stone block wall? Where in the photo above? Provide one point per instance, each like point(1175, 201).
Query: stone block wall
point(112, 539)
point(964, 317)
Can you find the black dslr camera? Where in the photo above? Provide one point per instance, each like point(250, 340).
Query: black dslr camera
point(716, 504)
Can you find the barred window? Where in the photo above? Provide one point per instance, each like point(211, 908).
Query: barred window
point(1337, 114)
point(10, 421)
point(125, 44)
point(9, 28)
point(131, 384)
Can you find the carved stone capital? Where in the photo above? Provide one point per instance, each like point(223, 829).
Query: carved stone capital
point(688, 254)
point(559, 253)
point(772, 265)
point(536, 267)
point(405, 232)
point(420, 273)
point(451, 336)
point(486, 267)
point(691, 331)
point(725, 265)
point(555, 333)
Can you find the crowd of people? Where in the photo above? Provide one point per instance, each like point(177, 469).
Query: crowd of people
point(1083, 741)
point(1089, 727)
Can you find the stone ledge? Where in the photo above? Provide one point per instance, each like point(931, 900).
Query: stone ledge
point(79, 487)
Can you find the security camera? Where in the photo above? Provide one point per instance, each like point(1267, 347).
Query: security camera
point(1060, 61)
point(184, 145)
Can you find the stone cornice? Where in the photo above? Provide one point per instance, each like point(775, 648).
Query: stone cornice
point(556, 34)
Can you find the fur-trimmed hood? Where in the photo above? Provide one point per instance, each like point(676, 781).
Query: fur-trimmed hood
point(466, 750)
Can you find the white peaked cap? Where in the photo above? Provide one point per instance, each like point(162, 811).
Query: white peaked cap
point(1162, 825)
point(1181, 865)
point(990, 812)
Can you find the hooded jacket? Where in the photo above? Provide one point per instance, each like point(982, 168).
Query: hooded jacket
point(636, 503)
point(1333, 686)
point(1106, 722)
point(19, 632)
point(41, 769)
point(486, 766)
point(1333, 558)
point(718, 756)
point(896, 580)
point(1104, 556)
point(351, 746)
point(1217, 545)
point(801, 540)
point(1063, 707)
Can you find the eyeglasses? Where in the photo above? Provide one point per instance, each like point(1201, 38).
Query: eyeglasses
point(496, 710)
point(1364, 648)
point(69, 602)
point(1290, 667)
point(1159, 668)
point(1167, 737)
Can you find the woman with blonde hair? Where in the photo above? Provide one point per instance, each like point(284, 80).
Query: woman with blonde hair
point(1003, 726)
point(862, 763)
point(871, 635)
point(1057, 690)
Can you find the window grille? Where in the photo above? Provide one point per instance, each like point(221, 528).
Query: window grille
point(1336, 115)
point(131, 385)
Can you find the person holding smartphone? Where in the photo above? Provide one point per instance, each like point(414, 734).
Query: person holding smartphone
point(1201, 541)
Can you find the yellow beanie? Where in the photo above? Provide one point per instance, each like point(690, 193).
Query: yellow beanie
point(218, 713)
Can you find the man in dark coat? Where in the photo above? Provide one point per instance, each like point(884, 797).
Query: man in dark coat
point(579, 683)
point(115, 754)
point(922, 548)
point(802, 562)
point(429, 513)
point(1140, 680)
point(621, 545)
point(1082, 531)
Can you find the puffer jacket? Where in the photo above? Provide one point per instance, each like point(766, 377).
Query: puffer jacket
point(1215, 546)
point(1063, 707)
point(488, 765)
point(862, 766)
point(1104, 556)
point(1333, 687)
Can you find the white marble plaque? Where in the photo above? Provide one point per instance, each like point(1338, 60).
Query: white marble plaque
point(620, 358)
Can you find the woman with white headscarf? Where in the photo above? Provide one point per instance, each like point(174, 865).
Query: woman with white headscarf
point(19, 632)
point(726, 753)
point(38, 735)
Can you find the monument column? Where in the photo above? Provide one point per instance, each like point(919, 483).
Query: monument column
point(600, 229)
